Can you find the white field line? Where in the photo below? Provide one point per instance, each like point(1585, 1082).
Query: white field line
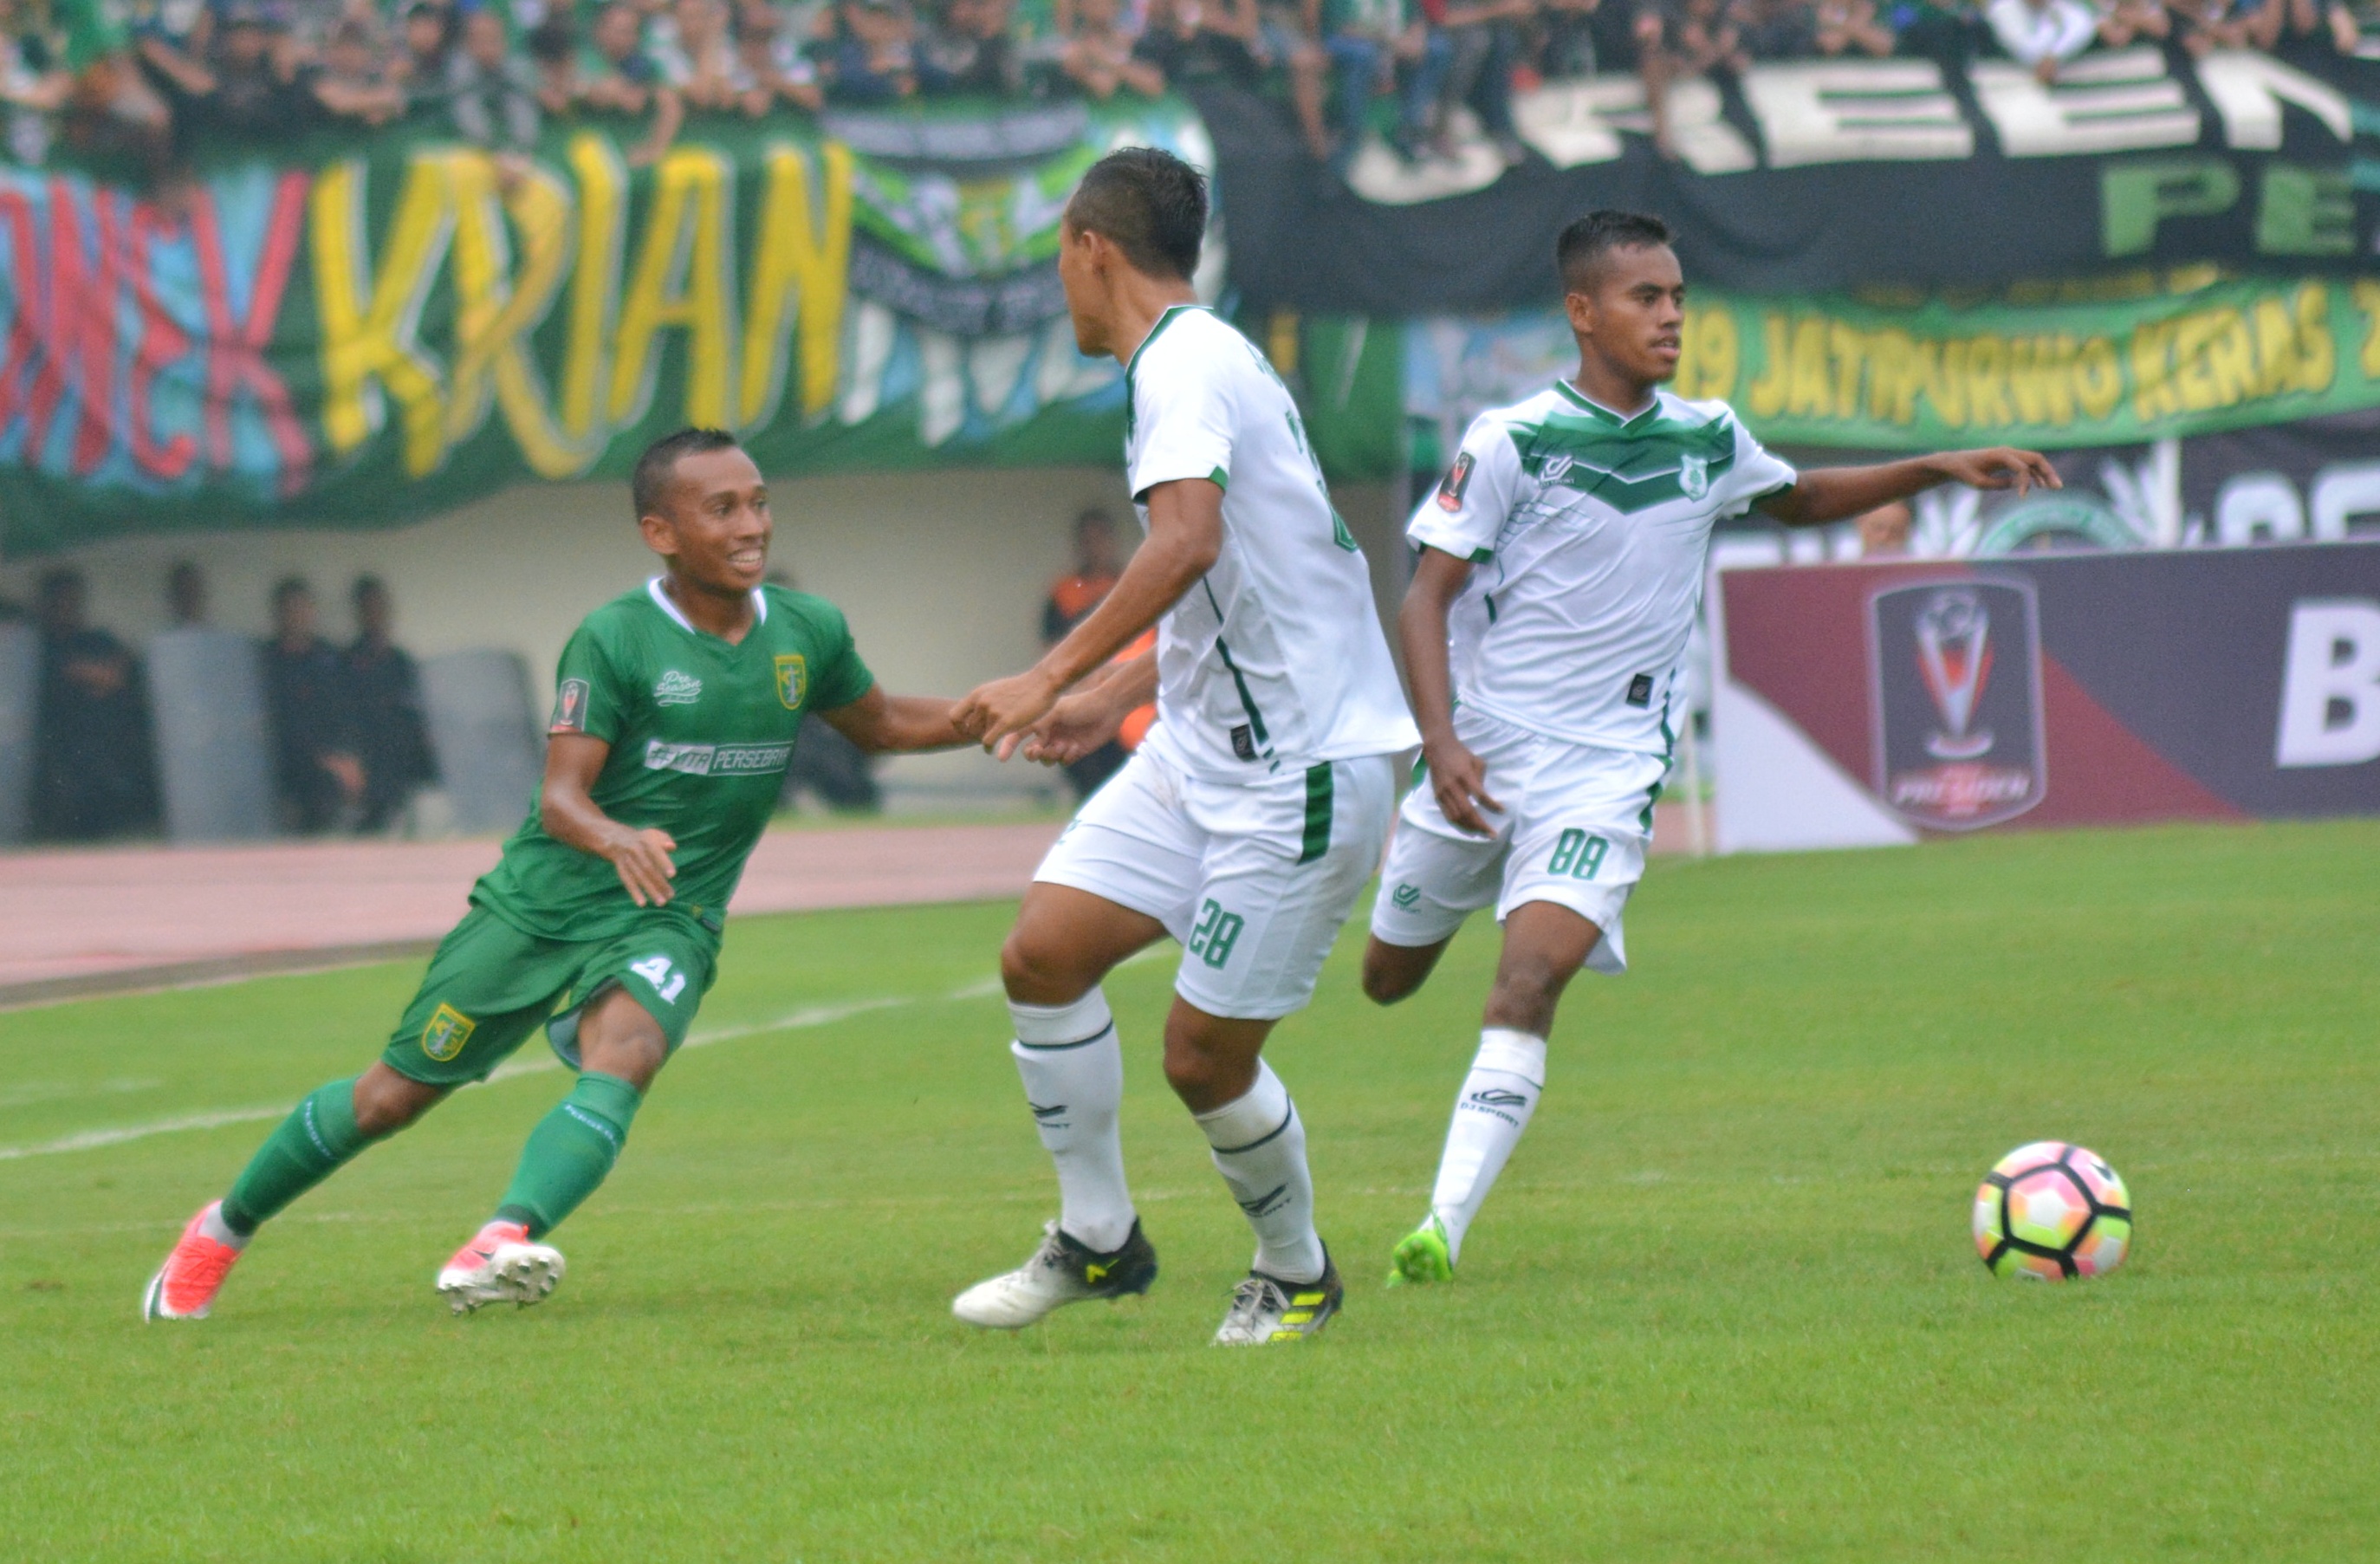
point(814, 1016)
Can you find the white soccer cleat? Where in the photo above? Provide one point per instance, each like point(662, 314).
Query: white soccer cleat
point(499, 1265)
point(1265, 1309)
point(1062, 1271)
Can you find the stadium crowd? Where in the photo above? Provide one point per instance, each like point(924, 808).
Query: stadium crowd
point(156, 78)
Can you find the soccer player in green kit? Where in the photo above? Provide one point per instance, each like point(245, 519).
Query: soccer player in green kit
point(674, 721)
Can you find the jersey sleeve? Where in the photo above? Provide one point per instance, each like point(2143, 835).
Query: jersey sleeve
point(1182, 413)
point(841, 677)
point(1469, 507)
point(590, 695)
point(1756, 474)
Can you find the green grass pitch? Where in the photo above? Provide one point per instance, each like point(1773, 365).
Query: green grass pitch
point(1723, 1307)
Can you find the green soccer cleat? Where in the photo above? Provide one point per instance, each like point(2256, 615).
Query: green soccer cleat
point(1422, 1255)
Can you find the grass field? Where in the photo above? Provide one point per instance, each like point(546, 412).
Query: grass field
point(1723, 1307)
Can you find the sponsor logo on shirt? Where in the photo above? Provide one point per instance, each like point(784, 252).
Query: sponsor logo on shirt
point(674, 688)
point(1458, 479)
point(717, 759)
point(569, 708)
point(1555, 470)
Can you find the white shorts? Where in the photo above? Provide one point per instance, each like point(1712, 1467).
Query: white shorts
point(1255, 879)
point(1575, 824)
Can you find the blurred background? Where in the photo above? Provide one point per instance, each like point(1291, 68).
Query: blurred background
point(332, 329)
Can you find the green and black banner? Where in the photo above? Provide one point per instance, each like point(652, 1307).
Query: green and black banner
point(1820, 177)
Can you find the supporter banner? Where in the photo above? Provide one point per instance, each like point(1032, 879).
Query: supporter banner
point(1819, 175)
point(367, 334)
point(2176, 358)
point(1867, 703)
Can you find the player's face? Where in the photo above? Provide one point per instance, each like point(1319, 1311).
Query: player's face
point(716, 529)
point(1635, 314)
point(1086, 293)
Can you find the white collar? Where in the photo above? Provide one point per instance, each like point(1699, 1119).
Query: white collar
point(661, 601)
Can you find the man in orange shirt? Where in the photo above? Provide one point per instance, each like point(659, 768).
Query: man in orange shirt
point(1071, 600)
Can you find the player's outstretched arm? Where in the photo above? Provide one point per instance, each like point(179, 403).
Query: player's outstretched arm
point(566, 809)
point(1186, 536)
point(1458, 777)
point(1093, 712)
point(1823, 494)
point(879, 723)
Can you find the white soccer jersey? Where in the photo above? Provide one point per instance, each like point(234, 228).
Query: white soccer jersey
point(1275, 660)
point(1590, 532)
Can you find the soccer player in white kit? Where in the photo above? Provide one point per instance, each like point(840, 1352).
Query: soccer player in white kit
point(1251, 814)
point(1561, 568)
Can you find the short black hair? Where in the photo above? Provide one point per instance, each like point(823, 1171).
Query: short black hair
point(1578, 254)
point(650, 485)
point(289, 586)
point(1150, 204)
point(365, 587)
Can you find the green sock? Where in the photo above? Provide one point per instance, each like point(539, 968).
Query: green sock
point(569, 1152)
point(311, 1143)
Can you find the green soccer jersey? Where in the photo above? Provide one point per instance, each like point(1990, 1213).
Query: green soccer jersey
point(701, 732)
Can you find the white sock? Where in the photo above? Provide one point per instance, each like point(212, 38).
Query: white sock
point(1490, 1114)
point(215, 1227)
point(1073, 1069)
point(1260, 1145)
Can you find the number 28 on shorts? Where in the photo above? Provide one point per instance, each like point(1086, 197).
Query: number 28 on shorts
point(1216, 933)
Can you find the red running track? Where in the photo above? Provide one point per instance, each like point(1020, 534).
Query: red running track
point(108, 920)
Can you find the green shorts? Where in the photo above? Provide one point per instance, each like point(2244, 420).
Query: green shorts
point(491, 985)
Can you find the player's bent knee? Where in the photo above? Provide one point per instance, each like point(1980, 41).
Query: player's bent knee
point(1038, 969)
point(621, 1038)
point(1396, 972)
point(385, 1102)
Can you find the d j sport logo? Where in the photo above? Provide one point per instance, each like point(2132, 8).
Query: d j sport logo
point(1957, 676)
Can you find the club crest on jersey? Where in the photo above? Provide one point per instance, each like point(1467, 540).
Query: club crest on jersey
point(1694, 476)
point(448, 1030)
point(792, 679)
point(1458, 479)
point(674, 688)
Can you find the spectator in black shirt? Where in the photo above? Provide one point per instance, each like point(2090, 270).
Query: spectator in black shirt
point(93, 767)
point(186, 595)
point(385, 708)
point(968, 48)
point(1203, 41)
point(316, 768)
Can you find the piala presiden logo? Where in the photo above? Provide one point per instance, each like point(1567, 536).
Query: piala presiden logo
point(1956, 670)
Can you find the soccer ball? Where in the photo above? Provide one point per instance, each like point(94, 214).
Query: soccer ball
point(2052, 1212)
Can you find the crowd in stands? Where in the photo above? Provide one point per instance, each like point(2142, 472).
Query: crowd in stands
point(158, 77)
point(350, 745)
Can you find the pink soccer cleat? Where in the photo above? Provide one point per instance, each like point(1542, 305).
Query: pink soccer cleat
point(185, 1285)
point(499, 1265)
